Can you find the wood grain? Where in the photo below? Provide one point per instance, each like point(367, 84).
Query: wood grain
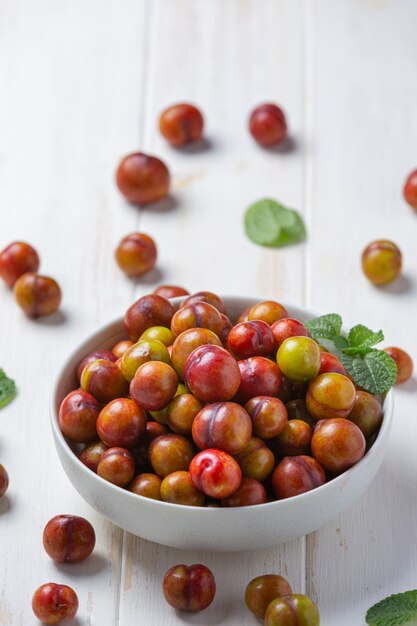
point(365, 134)
point(199, 231)
point(71, 77)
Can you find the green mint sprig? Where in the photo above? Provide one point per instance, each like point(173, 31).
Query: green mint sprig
point(7, 389)
point(396, 610)
point(269, 223)
point(372, 369)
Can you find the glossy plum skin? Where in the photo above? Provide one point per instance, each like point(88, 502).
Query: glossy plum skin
point(178, 488)
point(121, 423)
point(143, 351)
point(267, 125)
point(170, 453)
point(403, 362)
point(252, 338)
point(298, 359)
point(268, 311)
point(226, 328)
point(366, 413)
point(295, 475)
point(78, 415)
point(337, 444)
point(297, 410)
point(223, 425)
point(121, 347)
point(294, 439)
point(410, 190)
point(330, 395)
point(215, 473)
point(37, 295)
point(288, 327)
point(285, 392)
point(294, 610)
point(244, 316)
point(330, 364)
point(171, 291)
point(154, 385)
point(212, 374)
point(107, 355)
point(147, 485)
point(262, 590)
point(189, 588)
point(249, 493)
point(142, 178)
point(197, 315)
point(181, 413)
point(188, 341)
point(150, 310)
point(52, 603)
point(17, 259)
point(117, 465)
point(161, 416)
point(104, 380)
point(259, 377)
point(181, 124)
point(205, 296)
point(68, 538)
point(92, 453)
point(381, 262)
point(136, 254)
point(4, 480)
point(140, 452)
point(158, 333)
point(256, 460)
point(268, 415)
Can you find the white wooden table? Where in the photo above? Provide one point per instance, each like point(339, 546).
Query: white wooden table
point(81, 84)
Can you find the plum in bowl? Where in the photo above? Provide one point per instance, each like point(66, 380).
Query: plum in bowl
point(226, 528)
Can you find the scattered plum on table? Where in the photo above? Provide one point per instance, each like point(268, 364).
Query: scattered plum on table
point(17, 259)
point(181, 124)
point(68, 538)
point(189, 588)
point(142, 178)
point(52, 603)
point(261, 590)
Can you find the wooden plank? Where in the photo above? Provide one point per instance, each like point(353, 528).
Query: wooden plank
point(71, 81)
point(217, 59)
point(363, 135)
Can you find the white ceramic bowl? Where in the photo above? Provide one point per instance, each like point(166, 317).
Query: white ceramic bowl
point(188, 527)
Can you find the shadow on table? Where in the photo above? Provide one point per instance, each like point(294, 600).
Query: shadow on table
point(56, 319)
point(95, 564)
point(402, 285)
point(168, 204)
point(152, 278)
point(409, 387)
point(291, 144)
point(369, 556)
point(203, 145)
point(5, 504)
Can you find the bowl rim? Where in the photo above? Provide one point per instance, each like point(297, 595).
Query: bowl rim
point(338, 481)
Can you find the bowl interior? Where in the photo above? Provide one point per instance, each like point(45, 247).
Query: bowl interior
point(113, 332)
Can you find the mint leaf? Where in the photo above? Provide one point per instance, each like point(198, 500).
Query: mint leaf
point(341, 343)
point(325, 326)
point(362, 338)
point(367, 366)
point(7, 389)
point(293, 233)
point(269, 223)
point(372, 371)
point(396, 610)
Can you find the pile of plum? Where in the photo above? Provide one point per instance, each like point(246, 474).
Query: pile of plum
point(194, 410)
